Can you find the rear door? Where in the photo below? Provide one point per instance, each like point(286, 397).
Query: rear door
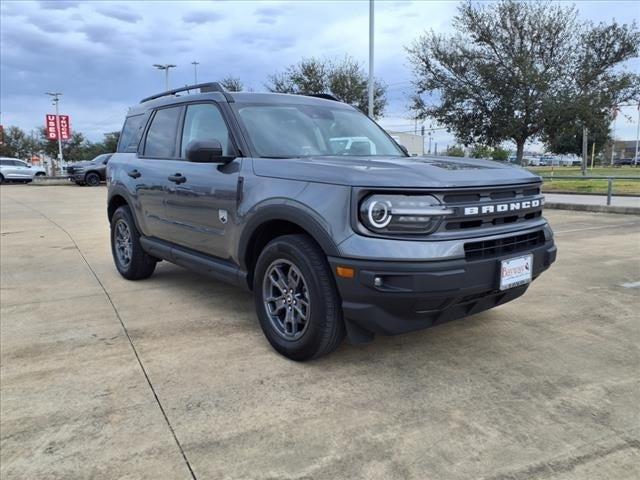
point(151, 169)
point(201, 206)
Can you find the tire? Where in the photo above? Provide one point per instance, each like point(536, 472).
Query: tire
point(130, 260)
point(92, 179)
point(40, 174)
point(1, 179)
point(289, 333)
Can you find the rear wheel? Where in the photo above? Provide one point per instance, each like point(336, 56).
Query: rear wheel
point(92, 179)
point(131, 261)
point(40, 174)
point(296, 299)
point(1, 178)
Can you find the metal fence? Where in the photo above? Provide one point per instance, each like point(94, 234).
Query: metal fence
point(609, 180)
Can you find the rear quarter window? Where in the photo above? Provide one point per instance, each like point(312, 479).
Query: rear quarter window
point(130, 135)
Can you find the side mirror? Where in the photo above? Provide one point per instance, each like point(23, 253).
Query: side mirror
point(206, 151)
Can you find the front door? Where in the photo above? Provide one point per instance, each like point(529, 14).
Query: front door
point(201, 204)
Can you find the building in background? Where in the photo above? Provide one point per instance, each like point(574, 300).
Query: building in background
point(414, 143)
point(621, 149)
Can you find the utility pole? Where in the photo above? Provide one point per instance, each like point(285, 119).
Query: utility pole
point(593, 153)
point(613, 137)
point(195, 72)
point(166, 68)
point(371, 86)
point(635, 159)
point(585, 151)
point(56, 99)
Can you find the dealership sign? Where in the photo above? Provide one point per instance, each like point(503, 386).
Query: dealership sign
point(62, 125)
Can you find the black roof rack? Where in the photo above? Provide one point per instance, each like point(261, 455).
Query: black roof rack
point(326, 96)
point(204, 88)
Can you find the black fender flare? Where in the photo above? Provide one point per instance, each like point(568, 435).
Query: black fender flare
point(292, 212)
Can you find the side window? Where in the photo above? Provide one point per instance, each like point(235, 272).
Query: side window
point(4, 163)
point(18, 163)
point(204, 122)
point(130, 135)
point(161, 136)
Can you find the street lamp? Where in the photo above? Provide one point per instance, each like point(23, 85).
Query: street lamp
point(166, 68)
point(195, 71)
point(55, 99)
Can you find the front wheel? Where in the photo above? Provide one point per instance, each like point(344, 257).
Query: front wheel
point(296, 299)
point(131, 261)
point(92, 179)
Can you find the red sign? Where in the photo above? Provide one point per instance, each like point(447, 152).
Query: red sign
point(65, 127)
point(53, 127)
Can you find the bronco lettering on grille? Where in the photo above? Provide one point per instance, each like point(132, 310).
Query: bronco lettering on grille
point(502, 207)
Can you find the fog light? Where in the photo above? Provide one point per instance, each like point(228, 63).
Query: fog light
point(377, 281)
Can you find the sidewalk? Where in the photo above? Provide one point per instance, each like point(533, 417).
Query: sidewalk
point(593, 203)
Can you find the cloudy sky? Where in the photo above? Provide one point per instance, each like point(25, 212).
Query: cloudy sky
point(100, 54)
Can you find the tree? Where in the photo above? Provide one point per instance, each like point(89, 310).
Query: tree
point(481, 151)
point(510, 68)
point(455, 151)
point(17, 144)
point(232, 84)
point(344, 79)
point(500, 154)
point(74, 149)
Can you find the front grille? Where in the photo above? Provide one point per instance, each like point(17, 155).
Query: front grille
point(461, 201)
point(503, 246)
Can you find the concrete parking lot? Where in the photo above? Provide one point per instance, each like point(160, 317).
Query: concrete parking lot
point(171, 377)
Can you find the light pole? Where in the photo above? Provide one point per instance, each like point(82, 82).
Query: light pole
point(55, 101)
point(370, 92)
point(195, 71)
point(166, 68)
point(635, 159)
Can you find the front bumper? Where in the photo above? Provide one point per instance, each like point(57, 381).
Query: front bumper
point(417, 295)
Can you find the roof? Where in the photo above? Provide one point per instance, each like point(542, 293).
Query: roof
point(235, 97)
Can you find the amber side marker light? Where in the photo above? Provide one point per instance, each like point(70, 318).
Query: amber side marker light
point(345, 272)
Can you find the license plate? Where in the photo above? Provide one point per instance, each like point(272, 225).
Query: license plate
point(515, 271)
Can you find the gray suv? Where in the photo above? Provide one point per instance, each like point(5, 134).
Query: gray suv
point(312, 206)
point(91, 172)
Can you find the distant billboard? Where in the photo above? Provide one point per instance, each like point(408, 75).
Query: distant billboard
point(61, 124)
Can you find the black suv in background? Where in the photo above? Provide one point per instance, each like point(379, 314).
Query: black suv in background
point(310, 204)
point(90, 173)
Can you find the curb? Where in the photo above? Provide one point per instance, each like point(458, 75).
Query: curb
point(576, 207)
point(43, 181)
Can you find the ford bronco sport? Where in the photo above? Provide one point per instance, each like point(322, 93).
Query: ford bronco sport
point(312, 206)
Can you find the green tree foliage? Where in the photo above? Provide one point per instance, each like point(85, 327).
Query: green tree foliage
point(344, 79)
point(510, 68)
point(500, 154)
point(17, 144)
point(481, 151)
point(232, 84)
point(455, 151)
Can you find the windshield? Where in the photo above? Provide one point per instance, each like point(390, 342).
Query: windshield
point(298, 130)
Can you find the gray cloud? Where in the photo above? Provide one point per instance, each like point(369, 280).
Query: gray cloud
point(200, 17)
point(121, 14)
point(57, 4)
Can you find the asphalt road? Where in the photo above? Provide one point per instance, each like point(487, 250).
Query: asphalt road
point(172, 378)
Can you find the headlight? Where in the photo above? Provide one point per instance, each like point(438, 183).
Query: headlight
point(411, 214)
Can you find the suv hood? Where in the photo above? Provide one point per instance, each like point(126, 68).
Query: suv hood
point(405, 172)
point(83, 163)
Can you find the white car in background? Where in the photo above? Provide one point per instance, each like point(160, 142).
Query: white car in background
point(12, 169)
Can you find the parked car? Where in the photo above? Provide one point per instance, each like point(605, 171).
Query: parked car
point(12, 169)
point(89, 173)
point(622, 162)
point(249, 189)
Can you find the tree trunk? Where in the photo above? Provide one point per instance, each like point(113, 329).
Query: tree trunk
point(520, 152)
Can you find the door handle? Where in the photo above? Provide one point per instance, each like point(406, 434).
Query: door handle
point(134, 174)
point(177, 178)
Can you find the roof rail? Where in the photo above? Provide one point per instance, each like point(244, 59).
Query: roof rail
point(326, 96)
point(204, 88)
